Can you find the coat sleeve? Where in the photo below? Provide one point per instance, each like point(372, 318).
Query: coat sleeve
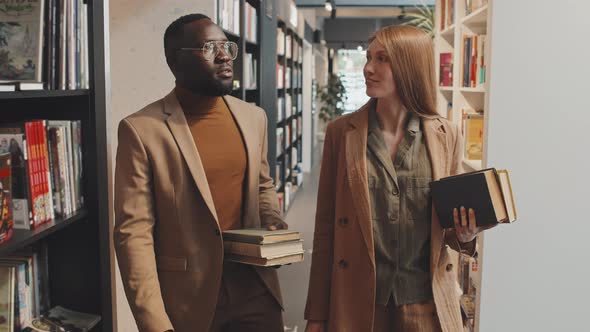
point(457, 168)
point(133, 233)
point(318, 297)
point(267, 193)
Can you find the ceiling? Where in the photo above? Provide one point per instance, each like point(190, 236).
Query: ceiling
point(364, 3)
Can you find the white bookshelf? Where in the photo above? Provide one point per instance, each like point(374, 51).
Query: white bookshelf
point(449, 38)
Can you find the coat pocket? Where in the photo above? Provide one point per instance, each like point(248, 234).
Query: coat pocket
point(169, 263)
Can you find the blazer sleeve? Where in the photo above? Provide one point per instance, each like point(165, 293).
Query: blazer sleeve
point(267, 193)
point(133, 233)
point(457, 168)
point(320, 278)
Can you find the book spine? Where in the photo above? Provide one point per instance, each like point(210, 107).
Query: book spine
point(34, 191)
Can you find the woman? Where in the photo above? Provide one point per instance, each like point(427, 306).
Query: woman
point(380, 258)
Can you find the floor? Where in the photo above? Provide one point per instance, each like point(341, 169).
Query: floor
point(294, 278)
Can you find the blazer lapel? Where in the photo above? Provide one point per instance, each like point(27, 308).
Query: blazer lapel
point(179, 127)
point(356, 165)
point(246, 125)
point(436, 142)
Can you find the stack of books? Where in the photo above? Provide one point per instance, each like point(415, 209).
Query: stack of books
point(487, 191)
point(262, 247)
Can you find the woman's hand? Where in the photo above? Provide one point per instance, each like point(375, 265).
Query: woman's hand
point(315, 326)
point(465, 225)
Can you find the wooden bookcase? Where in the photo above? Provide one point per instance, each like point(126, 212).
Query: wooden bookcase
point(80, 261)
point(454, 20)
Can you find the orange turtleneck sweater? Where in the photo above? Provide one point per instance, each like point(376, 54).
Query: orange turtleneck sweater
point(222, 151)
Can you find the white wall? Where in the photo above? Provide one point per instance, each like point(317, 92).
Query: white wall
point(536, 272)
point(139, 74)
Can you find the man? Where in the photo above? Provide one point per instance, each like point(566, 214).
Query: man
point(190, 166)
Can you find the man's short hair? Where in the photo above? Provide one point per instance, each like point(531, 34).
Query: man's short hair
point(175, 30)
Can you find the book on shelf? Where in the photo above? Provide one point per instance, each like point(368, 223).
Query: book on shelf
point(7, 87)
point(487, 191)
point(280, 41)
point(250, 65)
point(46, 167)
point(288, 46)
point(6, 217)
point(251, 23)
point(260, 235)
point(280, 108)
point(473, 69)
point(7, 297)
point(447, 13)
point(23, 287)
point(446, 69)
point(45, 42)
point(473, 133)
point(280, 76)
point(28, 86)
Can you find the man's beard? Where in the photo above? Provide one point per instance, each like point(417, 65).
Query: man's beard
point(216, 88)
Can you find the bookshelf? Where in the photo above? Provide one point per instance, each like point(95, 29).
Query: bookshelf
point(239, 19)
point(264, 38)
point(462, 28)
point(79, 259)
point(289, 109)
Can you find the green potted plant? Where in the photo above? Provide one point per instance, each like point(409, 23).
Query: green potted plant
point(423, 18)
point(332, 96)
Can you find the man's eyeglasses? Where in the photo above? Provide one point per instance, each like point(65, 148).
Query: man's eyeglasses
point(211, 49)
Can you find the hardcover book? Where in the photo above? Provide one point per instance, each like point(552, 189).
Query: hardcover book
point(487, 191)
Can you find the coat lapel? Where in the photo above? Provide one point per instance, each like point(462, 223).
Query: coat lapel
point(179, 127)
point(436, 142)
point(356, 166)
point(245, 124)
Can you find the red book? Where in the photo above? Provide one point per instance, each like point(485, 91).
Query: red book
point(36, 199)
point(446, 69)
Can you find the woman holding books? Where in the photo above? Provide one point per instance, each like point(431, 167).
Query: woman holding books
point(381, 260)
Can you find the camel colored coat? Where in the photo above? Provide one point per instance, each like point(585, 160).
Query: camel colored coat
point(342, 279)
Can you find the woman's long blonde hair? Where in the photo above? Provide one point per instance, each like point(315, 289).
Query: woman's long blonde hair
point(411, 55)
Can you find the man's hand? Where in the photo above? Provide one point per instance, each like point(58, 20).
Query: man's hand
point(465, 227)
point(279, 224)
point(315, 326)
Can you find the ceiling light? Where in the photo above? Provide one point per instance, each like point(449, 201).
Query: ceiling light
point(328, 5)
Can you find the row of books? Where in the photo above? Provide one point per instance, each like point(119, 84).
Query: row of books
point(280, 140)
point(250, 72)
point(24, 296)
point(280, 42)
point(447, 13)
point(229, 15)
point(44, 42)
point(280, 76)
point(46, 169)
point(251, 23)
point(473, 69)
point(24, 288)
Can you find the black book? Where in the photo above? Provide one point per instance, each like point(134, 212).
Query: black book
point(487, 191)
